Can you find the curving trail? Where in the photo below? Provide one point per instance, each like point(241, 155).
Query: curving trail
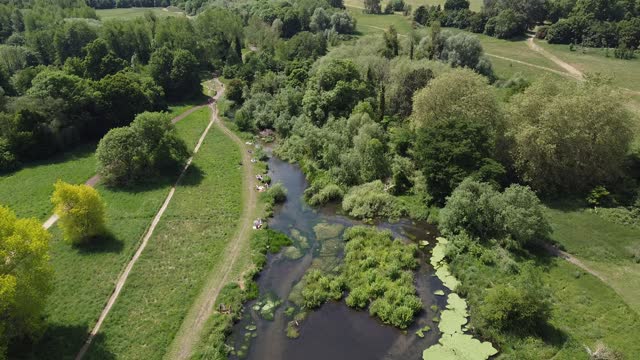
point(568, 67)
point(193, 324)
point(93, 181)
point(122, 279)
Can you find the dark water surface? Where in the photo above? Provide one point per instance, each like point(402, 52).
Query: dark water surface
point(335, 331)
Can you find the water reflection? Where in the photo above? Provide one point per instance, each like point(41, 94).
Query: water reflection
point(334, 331)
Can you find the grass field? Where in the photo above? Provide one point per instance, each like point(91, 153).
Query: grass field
point(371, 24)
point(587, 311)
point(475, 5)
point(604, 246)
point(623, 73)
point(84, 277)
point(132, 13)
point(27, 191)
point(186, 245)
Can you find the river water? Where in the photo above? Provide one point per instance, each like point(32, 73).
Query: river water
point(334, 331)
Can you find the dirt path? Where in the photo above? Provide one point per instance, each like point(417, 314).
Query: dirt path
point(568, 67)
point(575, 261)
point(191, 329)
point(531, 65)
point(93, 181)
point(122, 279)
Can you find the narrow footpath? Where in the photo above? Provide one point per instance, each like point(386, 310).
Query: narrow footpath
point(191, 330)
point(122, 279)
point(93, 181)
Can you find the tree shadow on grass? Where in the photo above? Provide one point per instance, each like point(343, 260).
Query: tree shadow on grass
point(192, 177)
point(59, 342)
point(107, 243)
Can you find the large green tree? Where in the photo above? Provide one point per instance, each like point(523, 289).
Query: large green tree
point(25, 276)
point(81, 212)
point(569, 137)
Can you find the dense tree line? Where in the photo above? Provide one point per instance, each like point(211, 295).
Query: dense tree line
point(594, 23)
point(67, 78)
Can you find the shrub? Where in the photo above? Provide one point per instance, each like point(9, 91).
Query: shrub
point(148, 147)
point(370, 200)
point(331, 192)
point(481, 211)
point(522, 306)
point(277, 193)
point(321, 288)
point(81, 212)
point(25, 277)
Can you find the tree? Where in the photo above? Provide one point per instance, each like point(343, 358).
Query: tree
point(81, 212)
point(71, 38)
point(99, 61)
point(25, 277)
point(391, 43)
point(452, 149)
point(343, 22)
point(567, 137)
point(515, 217)
point(521, 306)
point(459, 94)
point(146, 148)
point(372, 7)
point(506, 25)
point(320, 20)
point(233, 91)
point(185, 81)
point(456, 4)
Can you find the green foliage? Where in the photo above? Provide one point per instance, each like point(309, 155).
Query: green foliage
point(370, 200)
point(569, 137)
point(25, 277)
point(522, 306)
point(450, 150)
point(81, 211)
point(507, 24)
point(148, 146)
point(479, 210)
point(328, 193)
point(378, 274)
point(266, 241)
point(458, 94)
point(321, 288)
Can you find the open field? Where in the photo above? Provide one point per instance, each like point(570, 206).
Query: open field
point(604, 246)
point(84, 277)
point(475, 5)
point(371, 24)
point(27, 191)
point(185, 247)
point(132, 13)
point(623, 73)
point(588, 311)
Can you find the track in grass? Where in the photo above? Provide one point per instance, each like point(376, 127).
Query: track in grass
point(191, 329)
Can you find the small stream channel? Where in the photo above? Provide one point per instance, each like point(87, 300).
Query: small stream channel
point(334, 331)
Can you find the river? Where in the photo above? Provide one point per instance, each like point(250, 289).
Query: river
point(333, 331)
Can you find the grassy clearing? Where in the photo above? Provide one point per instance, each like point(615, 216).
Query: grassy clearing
point(27, 190)
point(475, 5)
point(588, 311)
point(132, 13)
point(84, 277)
point(188, 243)
point(372, 24)
point(604, 246)
point(623, 73)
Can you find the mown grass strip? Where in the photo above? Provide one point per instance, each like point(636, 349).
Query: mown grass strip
point(187, 244)
point(84, 277)
point(27, 190)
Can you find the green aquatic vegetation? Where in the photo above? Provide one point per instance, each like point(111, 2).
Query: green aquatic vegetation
point(292, 330)
point(321, 288)
point(439, 292)
point(292, 252)
point(326, 231)
point(300, 240)
point(251, 327)
point(454, 343)
point(378, 273)
point(442, 269)
point(265, 241)
point(423, 330)
point(267, 307)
